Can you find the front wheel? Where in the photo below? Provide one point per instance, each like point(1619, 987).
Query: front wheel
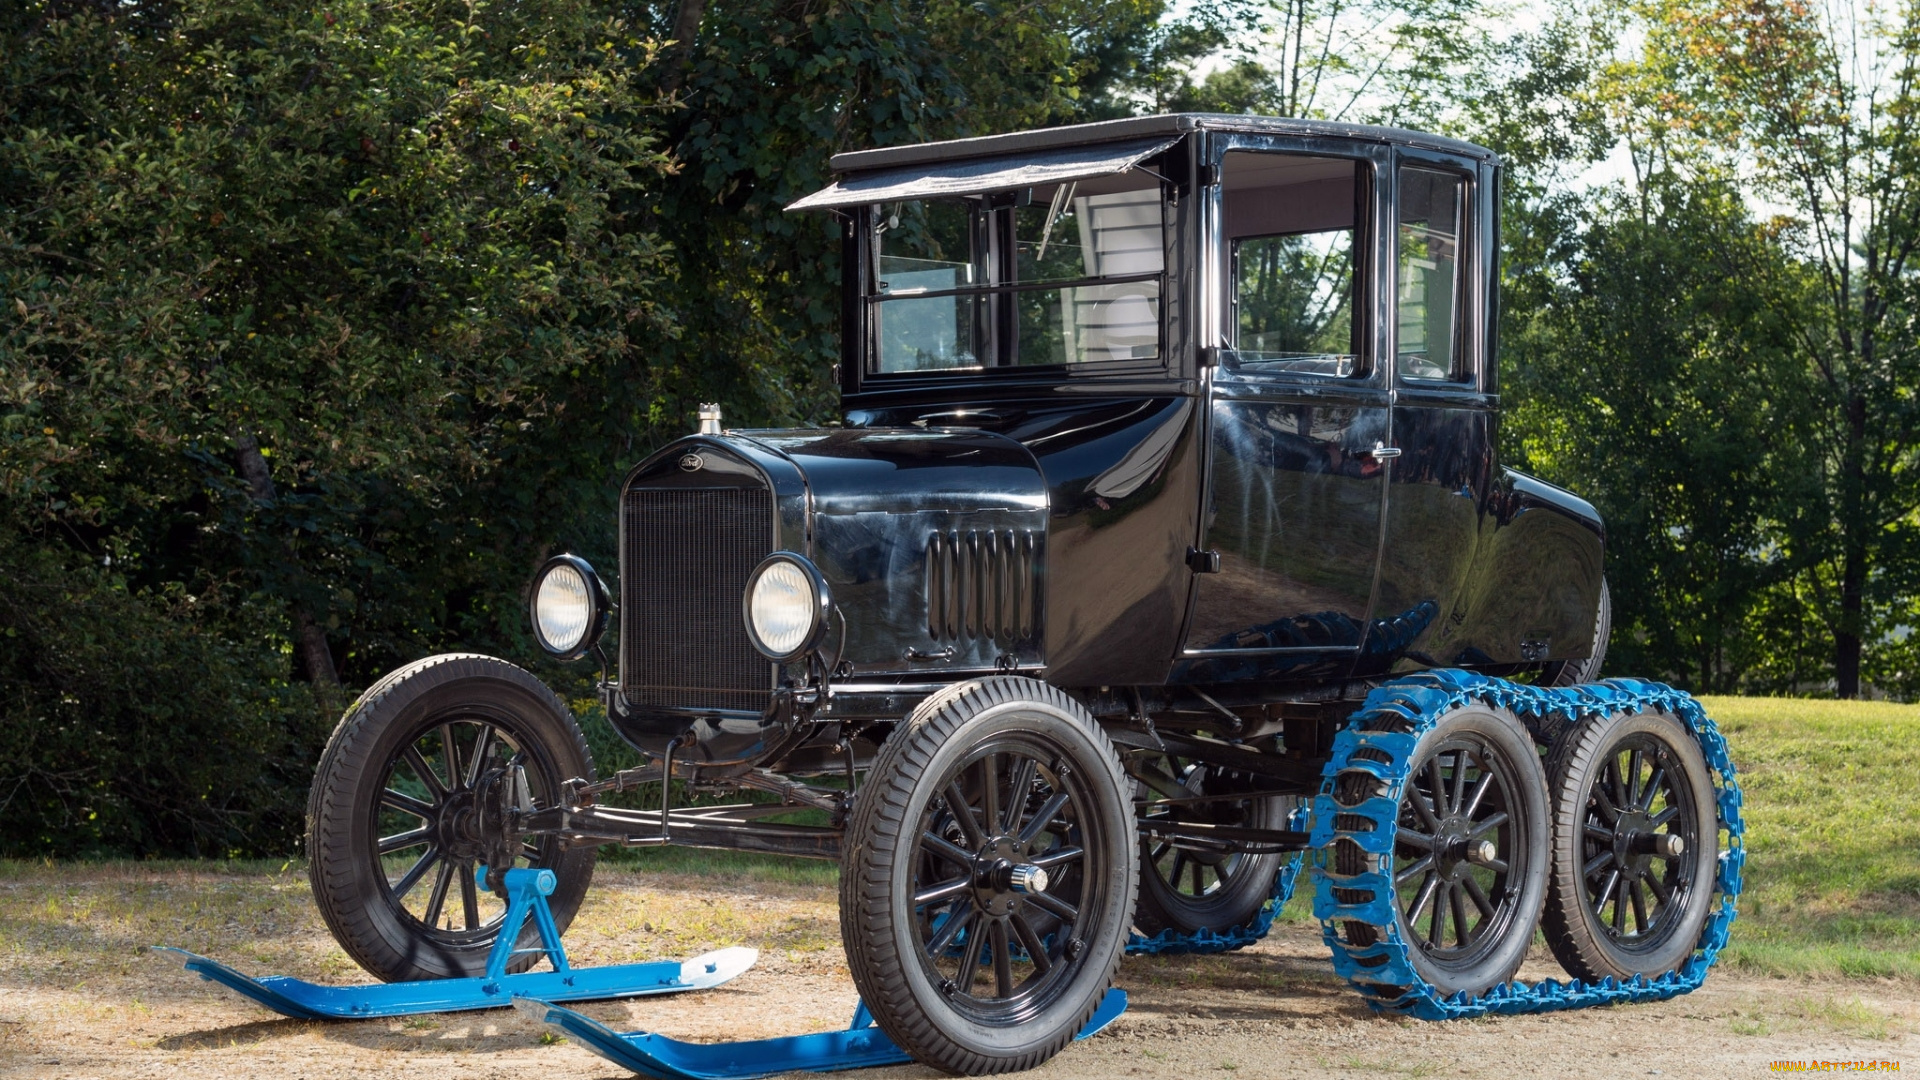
point(401, 804)
point(989, 877)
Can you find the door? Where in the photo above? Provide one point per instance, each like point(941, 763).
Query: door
point(1443, 409)
point(1292, 506)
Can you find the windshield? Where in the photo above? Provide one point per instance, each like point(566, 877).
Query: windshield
point(1064, 274)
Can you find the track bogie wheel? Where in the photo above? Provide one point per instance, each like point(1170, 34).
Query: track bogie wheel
point(1190, 888)
point(988, 877)
point(1469, 849)
point(407, 803)
point(1635, 845)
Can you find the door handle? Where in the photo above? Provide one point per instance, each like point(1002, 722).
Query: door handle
point(1382, 452)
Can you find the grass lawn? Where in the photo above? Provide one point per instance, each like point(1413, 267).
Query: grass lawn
point(1832, 794)
point(1833, 847)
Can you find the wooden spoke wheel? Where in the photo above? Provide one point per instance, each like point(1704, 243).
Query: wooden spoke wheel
point(988, 881)
point(1635, 841)
point(405, 808)
point(1469, 861)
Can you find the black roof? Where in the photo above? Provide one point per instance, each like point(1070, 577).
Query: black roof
point(1140, 127)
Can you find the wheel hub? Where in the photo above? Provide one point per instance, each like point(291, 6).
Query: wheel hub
point(1001, 876)
point(1634, 842)
point(1454, 848)
point(458, 828)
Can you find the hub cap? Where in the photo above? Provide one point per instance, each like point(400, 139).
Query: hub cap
point(1000, 893)
point(1640, 824)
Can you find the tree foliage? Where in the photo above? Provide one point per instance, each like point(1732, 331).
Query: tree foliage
point(316, 314)
point(1789, 310)
point(326, 323)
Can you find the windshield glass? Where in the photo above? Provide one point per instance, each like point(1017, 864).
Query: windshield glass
point(1065, 274)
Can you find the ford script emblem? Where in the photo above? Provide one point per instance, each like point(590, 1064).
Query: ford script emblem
point(692, 463)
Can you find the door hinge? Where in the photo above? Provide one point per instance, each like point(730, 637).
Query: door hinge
point(1203, 562)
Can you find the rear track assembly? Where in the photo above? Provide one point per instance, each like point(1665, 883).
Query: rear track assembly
point(1383, 971)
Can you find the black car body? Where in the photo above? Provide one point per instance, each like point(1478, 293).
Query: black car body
point(1184, 517)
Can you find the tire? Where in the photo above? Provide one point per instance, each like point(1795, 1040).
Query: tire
point(920, 963)
point(1575, 672)
point(1654, 763)
point(384, 779)
point(1492, 906)
point(1190, 891)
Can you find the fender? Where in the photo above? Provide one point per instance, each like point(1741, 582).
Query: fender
point(1534, 590)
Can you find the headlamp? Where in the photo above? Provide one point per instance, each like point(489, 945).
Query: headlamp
point(786, 606)
point(569, 606)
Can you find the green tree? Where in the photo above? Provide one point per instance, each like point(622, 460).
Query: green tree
point(319, 321)
point(1646, 371)
point(1811, 113)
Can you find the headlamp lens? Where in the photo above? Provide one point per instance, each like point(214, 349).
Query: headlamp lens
point(562, 609)
point(782, 607)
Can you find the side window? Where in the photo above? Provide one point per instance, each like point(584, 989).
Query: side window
point(1432, 220)
point(1291, 222)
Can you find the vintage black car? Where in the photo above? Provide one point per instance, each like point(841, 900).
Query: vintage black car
point(1163, 441)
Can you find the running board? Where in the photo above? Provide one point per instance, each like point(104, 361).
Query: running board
point(527, 892)
point(861, 1046)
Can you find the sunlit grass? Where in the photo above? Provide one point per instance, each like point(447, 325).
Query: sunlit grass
point(1833, 836)
point(1832, 885)
point(68, 923)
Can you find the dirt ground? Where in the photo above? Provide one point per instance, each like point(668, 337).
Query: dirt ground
point(81, 996)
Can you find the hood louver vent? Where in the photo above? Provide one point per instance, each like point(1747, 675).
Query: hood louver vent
point(982, 584)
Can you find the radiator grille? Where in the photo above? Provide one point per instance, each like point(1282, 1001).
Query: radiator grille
point(688, 552)
point(980, 584)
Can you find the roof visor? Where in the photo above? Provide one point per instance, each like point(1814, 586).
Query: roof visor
point(948, 179)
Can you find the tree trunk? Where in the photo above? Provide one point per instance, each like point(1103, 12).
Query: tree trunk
point(1846, 640)
point(1853, 554)
point(316, 656)
point(686, 23)
point(310, 638)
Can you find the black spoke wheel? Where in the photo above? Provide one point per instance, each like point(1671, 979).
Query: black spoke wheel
point(1635, 841)
point(988, 880)
point(1469, 863)
point(406, 808)
point(1188, 887)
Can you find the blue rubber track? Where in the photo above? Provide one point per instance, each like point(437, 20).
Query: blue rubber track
point(1383, 972)
point(1171, 942)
